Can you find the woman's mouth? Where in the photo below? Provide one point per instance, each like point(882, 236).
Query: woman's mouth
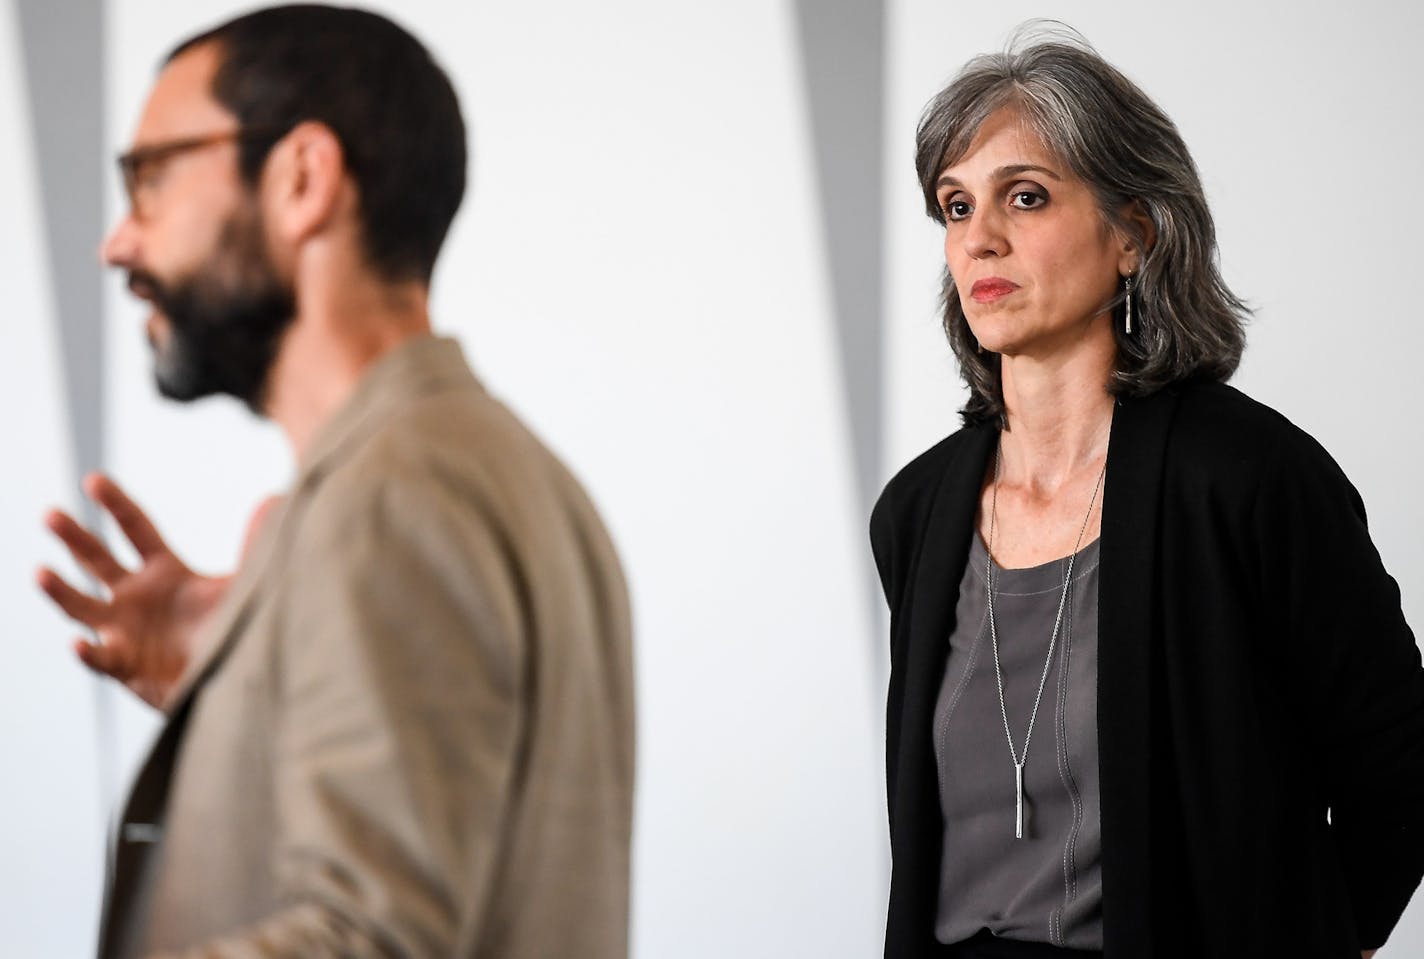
point(991, 288)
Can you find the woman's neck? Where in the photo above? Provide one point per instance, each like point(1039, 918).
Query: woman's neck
point(1059, 415)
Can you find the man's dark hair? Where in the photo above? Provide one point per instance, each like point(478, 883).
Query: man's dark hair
point(378, 89)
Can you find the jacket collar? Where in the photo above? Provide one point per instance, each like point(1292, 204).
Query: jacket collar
point(418, 367)
point(1127, 662)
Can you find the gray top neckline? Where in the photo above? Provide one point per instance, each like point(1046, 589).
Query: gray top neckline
point(1028, 580)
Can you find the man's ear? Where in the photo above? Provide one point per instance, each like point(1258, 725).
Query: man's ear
point(302, 182)
point(1139, 236)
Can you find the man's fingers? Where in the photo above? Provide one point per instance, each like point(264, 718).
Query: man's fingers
point(86, 548)
point(76, 605)
point(102, 659)
point(132, 520)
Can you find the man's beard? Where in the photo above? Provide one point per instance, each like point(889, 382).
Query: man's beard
point(226, 318)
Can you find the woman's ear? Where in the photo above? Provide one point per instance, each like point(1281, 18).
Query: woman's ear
point(1140, 235)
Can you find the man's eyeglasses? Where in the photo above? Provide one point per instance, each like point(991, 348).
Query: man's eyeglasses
point(142, 169)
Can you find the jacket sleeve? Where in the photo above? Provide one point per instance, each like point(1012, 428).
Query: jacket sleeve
point(882, 544)
point(400, 675)
point(1322, 569)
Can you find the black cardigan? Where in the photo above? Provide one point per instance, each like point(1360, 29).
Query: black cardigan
point(1255, 671)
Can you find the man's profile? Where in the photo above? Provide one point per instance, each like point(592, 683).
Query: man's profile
point(404, 726)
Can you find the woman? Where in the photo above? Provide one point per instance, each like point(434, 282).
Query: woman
point(1179, 712)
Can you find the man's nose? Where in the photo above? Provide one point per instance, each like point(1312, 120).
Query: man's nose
point(120, 247)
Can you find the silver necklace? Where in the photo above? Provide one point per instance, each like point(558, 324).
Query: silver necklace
point(1017, 758)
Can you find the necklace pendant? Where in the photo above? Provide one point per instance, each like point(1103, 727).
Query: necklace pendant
point(1018, 801)
point(1018, 758)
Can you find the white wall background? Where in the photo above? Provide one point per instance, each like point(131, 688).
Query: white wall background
point(51, 821)
point(639, 271)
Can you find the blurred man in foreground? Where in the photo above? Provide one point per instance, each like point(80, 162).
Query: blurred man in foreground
point(404, 728)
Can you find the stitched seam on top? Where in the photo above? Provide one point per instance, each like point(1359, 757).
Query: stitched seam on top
point(1055, 924)
point(1070, 848)
point(1047, 589)
point(959, 688)
point(977, 570)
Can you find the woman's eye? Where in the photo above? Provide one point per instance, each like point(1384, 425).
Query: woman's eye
point(1027, 199)
point(957, 209)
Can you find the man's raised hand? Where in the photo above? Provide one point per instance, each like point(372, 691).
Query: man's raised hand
point(147, 623)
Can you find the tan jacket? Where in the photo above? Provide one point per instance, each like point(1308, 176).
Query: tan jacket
point(411, 730)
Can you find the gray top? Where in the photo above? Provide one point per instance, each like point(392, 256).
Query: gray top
point(1047, 886)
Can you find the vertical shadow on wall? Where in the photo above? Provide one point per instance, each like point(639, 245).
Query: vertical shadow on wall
point(63, 45)
point(843, 58)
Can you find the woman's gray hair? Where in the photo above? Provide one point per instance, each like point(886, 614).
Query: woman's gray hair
point(1186, 323)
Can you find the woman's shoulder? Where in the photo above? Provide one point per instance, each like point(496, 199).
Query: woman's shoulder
point(1218, 420)
point(919, 478)
point(910, 492)
point(1222, 434)
point(902, 513)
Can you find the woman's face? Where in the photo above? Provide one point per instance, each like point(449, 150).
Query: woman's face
point(1032, 258)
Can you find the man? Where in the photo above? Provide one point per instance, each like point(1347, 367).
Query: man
point(405, 727)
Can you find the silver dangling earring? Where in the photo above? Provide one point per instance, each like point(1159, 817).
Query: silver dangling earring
point(1128, 280)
